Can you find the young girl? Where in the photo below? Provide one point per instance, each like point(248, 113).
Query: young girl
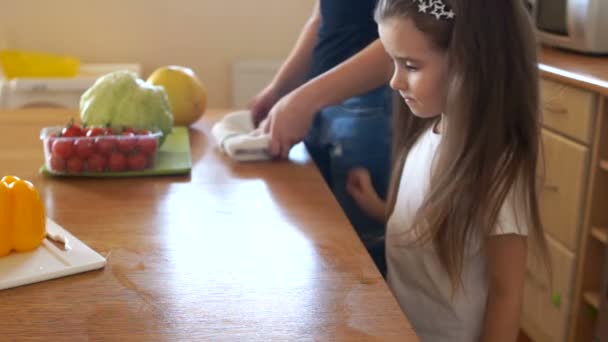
point(463, 196)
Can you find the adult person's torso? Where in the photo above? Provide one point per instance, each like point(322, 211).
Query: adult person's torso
point(347, 26)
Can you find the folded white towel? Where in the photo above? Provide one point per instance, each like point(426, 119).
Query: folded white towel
point(239, 139)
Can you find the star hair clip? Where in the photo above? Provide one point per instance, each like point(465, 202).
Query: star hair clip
point(436, 8)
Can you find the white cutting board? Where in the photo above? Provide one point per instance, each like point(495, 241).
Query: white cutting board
point(48, 261)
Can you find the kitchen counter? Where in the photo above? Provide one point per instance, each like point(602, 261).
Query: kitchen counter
point(258, 251)
point(585, 71)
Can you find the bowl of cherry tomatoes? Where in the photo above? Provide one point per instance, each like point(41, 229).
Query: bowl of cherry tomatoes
point(73, 149)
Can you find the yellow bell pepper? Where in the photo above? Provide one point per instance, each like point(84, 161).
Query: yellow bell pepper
point(22, 217)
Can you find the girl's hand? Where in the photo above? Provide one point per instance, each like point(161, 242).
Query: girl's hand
point(288, 122)
point(261, 104)
point(359, 186)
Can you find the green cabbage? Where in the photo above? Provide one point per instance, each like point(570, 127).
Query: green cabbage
point(121, 99)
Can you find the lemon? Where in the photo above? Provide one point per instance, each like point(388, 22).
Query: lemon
point(187, 94)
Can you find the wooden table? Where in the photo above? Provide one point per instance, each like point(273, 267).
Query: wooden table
point(232, 251)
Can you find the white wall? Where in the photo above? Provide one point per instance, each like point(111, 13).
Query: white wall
point(202, 34)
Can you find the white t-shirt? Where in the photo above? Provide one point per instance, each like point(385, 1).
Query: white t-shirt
point(415, 274)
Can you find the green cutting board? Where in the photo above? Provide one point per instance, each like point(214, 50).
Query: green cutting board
point(173, 159)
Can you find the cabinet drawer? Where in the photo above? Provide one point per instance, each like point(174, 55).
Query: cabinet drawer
point(566, 109)
point(546, 307)
point(562, 179)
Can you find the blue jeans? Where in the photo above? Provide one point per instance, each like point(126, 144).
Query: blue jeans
point(356, 133)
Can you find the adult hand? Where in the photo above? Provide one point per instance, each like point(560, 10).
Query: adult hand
point(359, 185)
point(261, 104)
point(288, 122)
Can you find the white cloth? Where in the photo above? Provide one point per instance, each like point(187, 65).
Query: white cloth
point(415, 274)
point(236, 136)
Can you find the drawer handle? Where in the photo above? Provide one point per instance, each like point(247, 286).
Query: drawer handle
point(556, 110)
point(551, 188)
point(547, 187)
point(534, 280)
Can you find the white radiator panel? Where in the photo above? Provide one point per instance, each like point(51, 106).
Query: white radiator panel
point(249, 77)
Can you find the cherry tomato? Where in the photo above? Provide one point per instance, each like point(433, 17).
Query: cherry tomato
point(137, 162)
point(105, 145)
point(128, 130)
point(117, 162)
point(147, 145)
point(83, 147)
point(144, 132)
point(57, 164)
point(126, 144)
point(96, 163)
point(63, 148)
point(72, 130)
point(95, 131)
point(75, 165)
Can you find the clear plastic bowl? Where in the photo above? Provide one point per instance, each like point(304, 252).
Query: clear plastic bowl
point(99, 154)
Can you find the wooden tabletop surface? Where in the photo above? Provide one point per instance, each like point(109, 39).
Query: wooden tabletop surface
point(242, 252)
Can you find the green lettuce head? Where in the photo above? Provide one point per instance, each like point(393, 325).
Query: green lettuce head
point(121, 99)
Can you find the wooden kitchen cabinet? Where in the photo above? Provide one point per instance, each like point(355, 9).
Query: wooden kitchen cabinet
point(546, 304)
point(568, 110)
point(563, 173)
point(573, 198)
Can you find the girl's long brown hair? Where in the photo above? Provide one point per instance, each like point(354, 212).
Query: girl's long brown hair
point(490, 144)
